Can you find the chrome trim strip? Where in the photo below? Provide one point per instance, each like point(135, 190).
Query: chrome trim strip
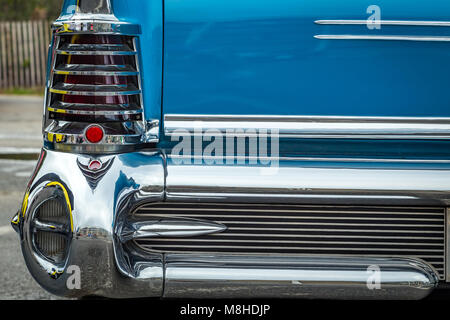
point(385, 237)
point(350, 231)
point(280, 118)
point(255, 209)
point(298, 182)
point(386, 22)
point(270, 243)
point(199, 252)
point(69, 46)
point(263, 205)
point(67, 138)
point(387, 38)
point(151, 126)
point(322, 223)
point(310, 126)
point(281, 247)
point(102, 91)
point(235, 213)
point(51, 227)
point(70, 137)
point(96, 73)
point(224, 276)
point(95, 53)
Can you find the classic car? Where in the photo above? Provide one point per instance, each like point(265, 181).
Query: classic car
point(243, 149)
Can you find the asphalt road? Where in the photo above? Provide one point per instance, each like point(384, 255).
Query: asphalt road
point(20, 138)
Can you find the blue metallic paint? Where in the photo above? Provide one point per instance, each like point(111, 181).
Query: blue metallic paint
point(261, 57)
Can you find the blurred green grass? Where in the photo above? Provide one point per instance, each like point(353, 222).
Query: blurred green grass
point(23, 91)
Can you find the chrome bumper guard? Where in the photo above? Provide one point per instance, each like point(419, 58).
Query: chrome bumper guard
point(110, 265)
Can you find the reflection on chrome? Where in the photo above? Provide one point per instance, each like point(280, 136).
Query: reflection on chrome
point(105, 231)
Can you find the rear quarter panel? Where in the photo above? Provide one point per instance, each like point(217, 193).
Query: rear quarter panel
point(261, 58)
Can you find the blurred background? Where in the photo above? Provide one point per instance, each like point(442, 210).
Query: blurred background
point(29, 9)
point(24, 39)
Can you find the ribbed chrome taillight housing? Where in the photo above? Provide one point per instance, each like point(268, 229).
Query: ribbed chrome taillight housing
point(94, 100)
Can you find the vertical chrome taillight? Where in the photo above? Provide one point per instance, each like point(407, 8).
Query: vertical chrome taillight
point(94, 99)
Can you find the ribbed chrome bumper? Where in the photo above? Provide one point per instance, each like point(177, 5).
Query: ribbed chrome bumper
point(102, 242)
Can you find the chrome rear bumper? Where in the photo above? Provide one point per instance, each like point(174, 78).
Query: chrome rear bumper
point(297, 277)
point(112, 267)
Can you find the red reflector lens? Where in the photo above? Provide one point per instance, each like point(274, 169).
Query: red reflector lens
point(96, 99)
point(95, 165)
point(94, 134)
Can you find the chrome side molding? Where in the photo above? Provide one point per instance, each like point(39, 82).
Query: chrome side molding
point(294, 181)
point(386, 23)
point(311, 126)
point(225, 276)
point(377, 37)
point(384, 37)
